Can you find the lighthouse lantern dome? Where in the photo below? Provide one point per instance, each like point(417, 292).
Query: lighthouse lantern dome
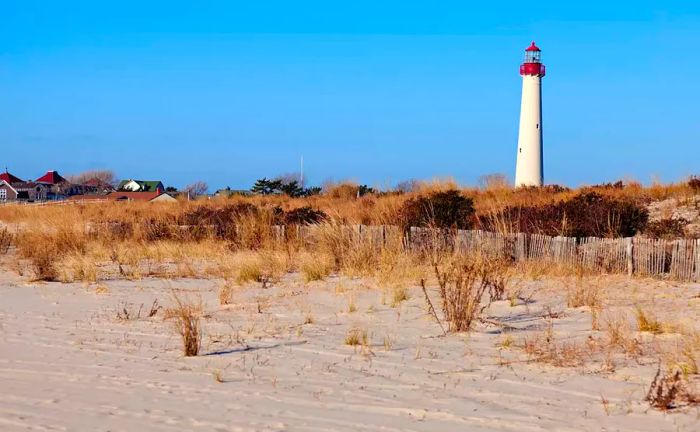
point(533, 62)
point(533, 54)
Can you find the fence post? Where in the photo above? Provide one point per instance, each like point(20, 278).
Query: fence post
point(630, 256)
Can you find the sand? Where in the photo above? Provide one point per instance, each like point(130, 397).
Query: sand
point(68, 362)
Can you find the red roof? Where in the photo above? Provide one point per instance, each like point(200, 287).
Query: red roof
point(10, 178)
point(133, 196)
point(51, 177)
point(532, 47)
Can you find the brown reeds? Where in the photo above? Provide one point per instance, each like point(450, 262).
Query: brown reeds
point(187, 315)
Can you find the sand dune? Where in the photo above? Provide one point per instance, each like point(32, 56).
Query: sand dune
point(67, 362)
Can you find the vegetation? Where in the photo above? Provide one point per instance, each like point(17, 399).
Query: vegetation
point(187, 324)
point(136, 237)
point(445, 209)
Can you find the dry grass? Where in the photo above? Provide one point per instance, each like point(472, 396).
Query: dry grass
point(187, 315)
point(352, 304)
point(620, 336)
point(265, 267)
point(647, 322)
point(226, 293)
point(584, 292)
point(314, 267)
point(44, 250)
point(356, 337)
point(77, 268)
point(544, 348)
point(6, 240)
point(399, 295)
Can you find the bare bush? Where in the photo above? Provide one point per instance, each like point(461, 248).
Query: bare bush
point(463, 280)
point(670, 390)
point(187, 316)
point(196, 189)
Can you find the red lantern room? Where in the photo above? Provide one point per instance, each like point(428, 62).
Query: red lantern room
point(532, 64)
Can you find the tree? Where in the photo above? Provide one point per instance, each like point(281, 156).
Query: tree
point(104, 175)
point(196, 189)
point(363, 190)
point(313, 190)
point(264, 186)
point(289, 177)
point(407, 186)
point(292, 189)
point(493, 181)
point(171, 189)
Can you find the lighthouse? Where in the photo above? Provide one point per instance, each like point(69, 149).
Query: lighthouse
point(528, 168)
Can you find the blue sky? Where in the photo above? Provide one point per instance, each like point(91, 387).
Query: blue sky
point(375, 91)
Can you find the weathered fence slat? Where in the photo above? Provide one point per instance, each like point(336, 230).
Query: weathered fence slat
point(678, 259)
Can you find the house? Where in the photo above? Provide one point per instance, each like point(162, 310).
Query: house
point(154, 196)
point(141, 186)
point(228, 192)
point(22, 191)
point(7, 192)
point(58, 186)
point(51, 178)
point(31, 191)
point(97, 186)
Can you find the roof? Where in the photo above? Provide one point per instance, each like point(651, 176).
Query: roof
point(27, 185)
point(533, 47)
point(229, 192)
point(133, 196)
point(9, 178)
point(146, 185)
point(51, 177)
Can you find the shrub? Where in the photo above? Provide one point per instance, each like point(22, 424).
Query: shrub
point(157, 229)
point(187, 324)
point(45, 249)
point(304, 216)
point(463, 281)
point(694, 183)
point(666, 229)
point(448, 209)
point(588, 214)
point(221, 220)
point(591, 214)
point(670, 390)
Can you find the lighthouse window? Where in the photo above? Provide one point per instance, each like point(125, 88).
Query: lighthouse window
point(538, 125)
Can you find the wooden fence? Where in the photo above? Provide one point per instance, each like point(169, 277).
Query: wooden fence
point(675, 259)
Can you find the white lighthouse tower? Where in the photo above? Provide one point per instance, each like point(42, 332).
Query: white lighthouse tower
point(528, 169)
